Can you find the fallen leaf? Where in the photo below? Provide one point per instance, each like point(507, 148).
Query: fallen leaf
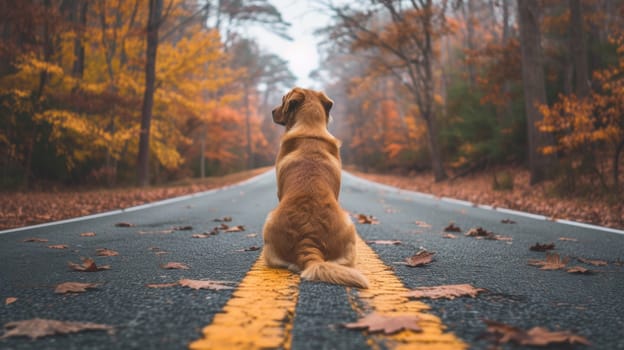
point(175, 266)
point(88, 265)
point(250, 249)
point(201, 235)
point(384, 242)
point(450, 291)
point(552, 262)
point(183, 228)
point(568, 239)
point(237, 228)
point(124, 224)
point(58, 246)
point(579, 270)
point(105, 252)
point(224, 219)
point(367, 219)
point(37, 328)
point(536, 336)
point(449, 235)
point(35, 240)
point(421, 258)
point(375, 322)
point(452, 228)
point(221, 227)
point(161, 285)
point(207, 284)
point(507, 221)
point(157, 232)
point(251, 235)
point(538, 247)
point(478, 232)
point(87, 234)
point(74, 287)
point(422, 224)
point(593, 262)
point(10, 300)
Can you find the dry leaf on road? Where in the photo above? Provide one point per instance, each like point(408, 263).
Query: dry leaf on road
point(250, 249)
point(175, 266)
point(207, 284)
point(88, 265)
point(124, 224)
point(421, 258)
point(422, 224)
point(87, 234)
point(449, 236)
point(450, 291)
point(238, 228)
point(568, 239)
point(37, 328)
point(579, 270)
point(74, 287)
point(58, 246)
point(507, 221)
point(384, 242)
point(538, 247)
point(10, 300)
point(593, 262)
point(536, 336)
point(367, 219)
point(106, 252)
point(452, 228)
point(35, 240)
point(375, 322)
point(552, 262)
point(223, 219)
point(183, 228)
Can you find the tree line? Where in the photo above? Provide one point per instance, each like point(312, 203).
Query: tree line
point(455, 86)
point(116, 92)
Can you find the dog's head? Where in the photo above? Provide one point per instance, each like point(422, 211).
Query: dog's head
point(303, 105)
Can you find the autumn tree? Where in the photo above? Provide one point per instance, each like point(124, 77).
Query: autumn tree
point(399, 38)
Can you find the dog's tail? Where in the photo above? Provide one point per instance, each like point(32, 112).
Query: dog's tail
point(331, 272)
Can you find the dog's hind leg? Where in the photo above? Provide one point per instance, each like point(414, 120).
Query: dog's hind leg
point(271, 259)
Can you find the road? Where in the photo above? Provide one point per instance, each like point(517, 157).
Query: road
point(274, 309)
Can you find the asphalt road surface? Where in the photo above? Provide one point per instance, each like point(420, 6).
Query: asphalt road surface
point(268, 308)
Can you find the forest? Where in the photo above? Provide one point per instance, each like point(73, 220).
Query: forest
point(113, 92)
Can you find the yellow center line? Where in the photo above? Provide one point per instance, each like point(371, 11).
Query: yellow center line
point(259, 314)
point(386, 295)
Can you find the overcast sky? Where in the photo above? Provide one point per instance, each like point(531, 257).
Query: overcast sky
point(301, 53)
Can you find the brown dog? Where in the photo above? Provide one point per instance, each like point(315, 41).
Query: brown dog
point(309, 231)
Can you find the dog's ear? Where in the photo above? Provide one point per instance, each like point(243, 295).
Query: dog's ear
point(326, 102)
point(290, 102)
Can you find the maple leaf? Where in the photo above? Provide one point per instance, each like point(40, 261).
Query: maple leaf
point(106, 252)
point(579, 270)
point(538, 247)
point(35, 240)
point(201, 235)
point(452, 228)
point(536, 336)
point(124, 224)
point(224, 219)
point(384, 242)
point(87, 234)
point(237, 228)
point(593, 262)
point(162, 285)
point(449, 236)
point(449, 291)
point(367, 219)
point(206, 284)
point(478, 232)
point(175, 266)
point(421, 258)
point(88, 265)
point(74, 287)
point(37, 328)
point(251, 235)
point(10, 300)
point(58, 246)
point(375, 322)
point(552, 262)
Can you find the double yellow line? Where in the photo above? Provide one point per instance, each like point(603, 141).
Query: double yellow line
point(261, 312)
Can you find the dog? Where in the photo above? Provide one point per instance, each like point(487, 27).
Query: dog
point(309, 232)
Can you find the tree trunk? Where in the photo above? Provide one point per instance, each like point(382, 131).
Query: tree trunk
point(534, 87)
point(616, 167)
point(434, 150)
point(578, 49)
point(153, 22)
point(80, 21)
point(248, 128)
